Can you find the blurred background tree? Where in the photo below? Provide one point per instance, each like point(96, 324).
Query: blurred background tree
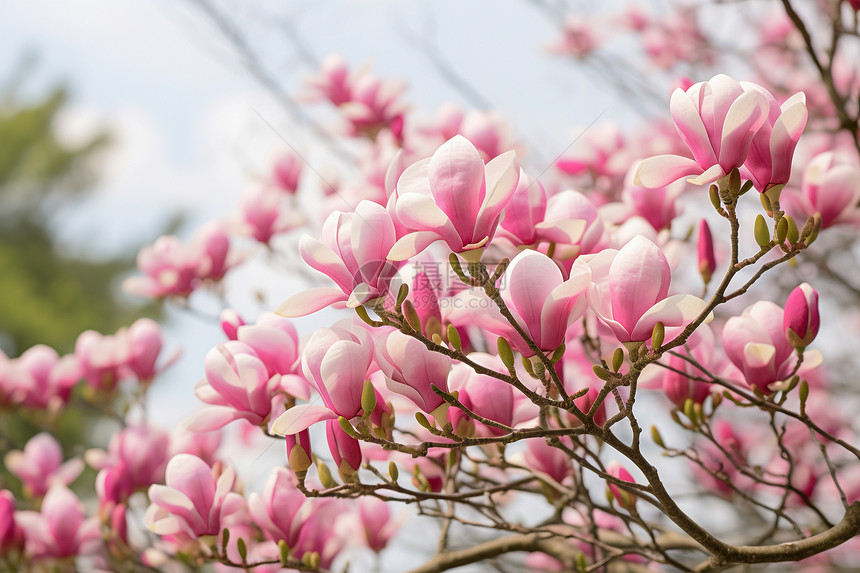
point(48, 295)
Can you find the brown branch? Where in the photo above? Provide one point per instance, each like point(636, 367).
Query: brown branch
point(847, 528)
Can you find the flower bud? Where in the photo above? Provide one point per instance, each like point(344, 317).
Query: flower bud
point(346, 426)
point(781, 230)
point(617, 359)
point(454, 337)
point(283, 552)
point(601, 372)
point(368, 398)
point(411, 316)
point(657, 335)
point(714, 193)
point(655, 435)
point(793, 234)
point(624, 498)
point(325, 476)
point(801, 320)
point(402, 293)
point(505, 353)
point(762, 235)
point(707, 259)
point(230, 322)
point(243, 550)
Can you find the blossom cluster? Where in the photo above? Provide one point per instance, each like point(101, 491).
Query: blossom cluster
point(502, 333)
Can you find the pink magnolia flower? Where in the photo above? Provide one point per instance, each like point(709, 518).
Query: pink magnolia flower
point(624, 498)
point(320, 532)
point(801, 319)
point(173, 268)
point(170, 269)
point(376, 522)
point(345, 450)
point(195, 500)
point(203, 445)
point(541, 301)
point(41, 466)
point(410, 369)
point(61, 529)
point(336, 362)
point(657, 206)
point(571, 206)
point(546, 459)
point(145, 342)
point(230, 323)
point(576, 373)
point(526, 221)
point(237, 386)
point(11, 535)
point(629, 291)
point(352, 252)
point(103, 357)
point(603, 154)
point(488, 397)
point(137, 455)
point(374, 104)
point(755, 342)
point(717, 120)
point(281, 509)
point(677, 383)
point(772, 148)
point(39, 378)
point(286, 172)
point(724, 459)
point(211, 244)
point(333, 81)
point(831, 186)
point(676, 37)
point(263, 213)
point(453, 197)
point(425, 299)
point(579, 38)
point(276, 342)
point(298, 448)
point(488, 131)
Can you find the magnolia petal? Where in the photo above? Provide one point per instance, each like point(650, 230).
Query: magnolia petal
point(412, 244)
point(713, 173)
point(300, 418)
point(660, 170)
point(567, 231)
point(784, 137)
point(414, 180)
point(420, 212)
point(744, 118)
point(502, 174)
point(295, 385)
point(691, 128)
point(310, 301)
point(757, 354)
point(676, 310)
point(361, 294)
point(322, 258)
point(210, 418)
